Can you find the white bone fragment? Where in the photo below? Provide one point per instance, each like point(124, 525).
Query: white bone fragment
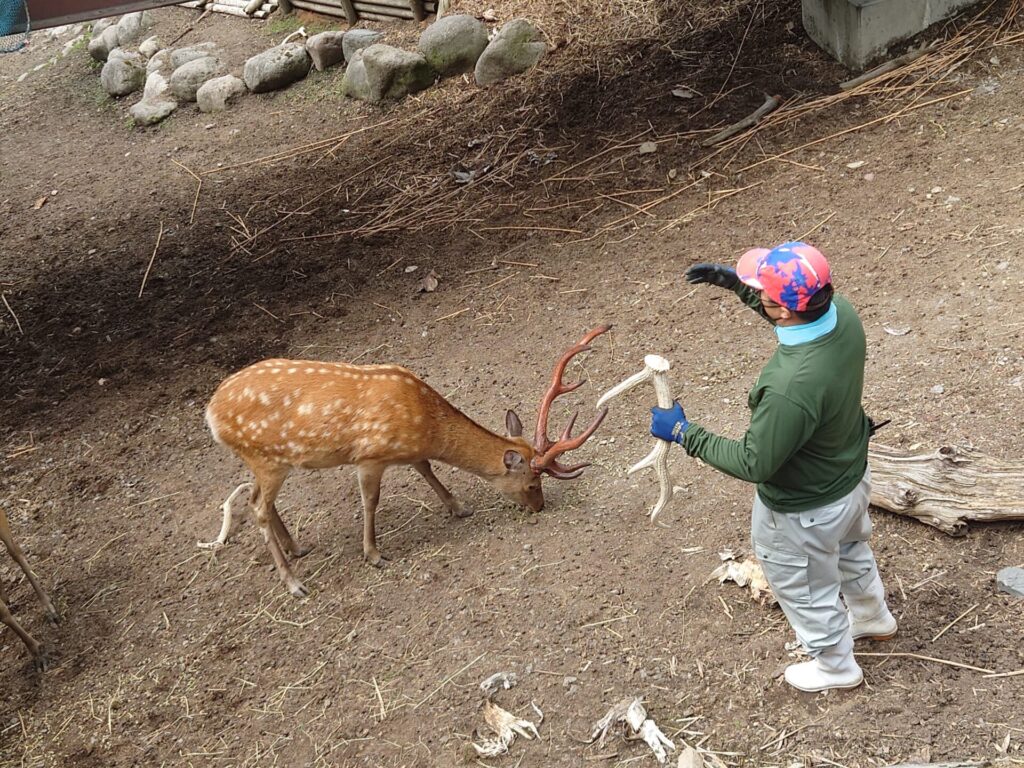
point(496, 682)
point(655, 368)
point(507, 726)
point(225, 527)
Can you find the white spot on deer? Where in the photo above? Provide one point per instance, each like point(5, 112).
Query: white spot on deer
point(293, 370)
point(264, 398)
point(275, 370)
point(305, 409)
point(239, 419)
point(424, 390)
point(248, 392)
point(263, 424)
point(287, 400)
point(323, 370)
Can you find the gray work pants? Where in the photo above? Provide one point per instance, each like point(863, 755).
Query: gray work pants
point(810, 558)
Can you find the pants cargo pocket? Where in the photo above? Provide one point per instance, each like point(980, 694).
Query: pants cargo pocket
point(786, 573)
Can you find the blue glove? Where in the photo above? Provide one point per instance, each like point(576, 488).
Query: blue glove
point(669, 423)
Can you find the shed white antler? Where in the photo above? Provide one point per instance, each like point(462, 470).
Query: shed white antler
point(656, 369)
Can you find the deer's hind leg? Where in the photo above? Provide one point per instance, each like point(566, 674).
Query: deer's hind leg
point(19, 558)
point(268, 483)
point(284, 538)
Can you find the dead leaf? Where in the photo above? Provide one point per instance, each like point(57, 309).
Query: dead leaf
point(489, 15)
point(648, 148)
point(855, 164)
point(39, 203)
point(429, 283)
point(411, 268)
point(746, 573)
point(896, 331)
point(683, 92)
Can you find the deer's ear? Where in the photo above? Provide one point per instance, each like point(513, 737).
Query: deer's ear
point(513, 425)
point(514, 461)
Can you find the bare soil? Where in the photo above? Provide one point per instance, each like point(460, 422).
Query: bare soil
point(173, 656)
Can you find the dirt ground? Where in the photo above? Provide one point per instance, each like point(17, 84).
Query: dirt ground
point(169, 655)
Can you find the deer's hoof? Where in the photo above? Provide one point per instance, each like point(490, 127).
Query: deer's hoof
point(461, 510)
point(302, 551)
point(52, 616)
point(376, 559)
point(298, 589)
point(44, 660)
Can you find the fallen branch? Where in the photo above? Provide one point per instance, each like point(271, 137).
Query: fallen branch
point(888, 66)
point(947, 488)
point(770, 105)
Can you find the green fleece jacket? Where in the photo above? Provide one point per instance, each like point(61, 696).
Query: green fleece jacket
point(807, 442)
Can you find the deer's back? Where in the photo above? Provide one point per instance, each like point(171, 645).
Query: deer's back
point(317, 414)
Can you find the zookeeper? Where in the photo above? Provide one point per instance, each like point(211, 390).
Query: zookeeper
point(806, 449)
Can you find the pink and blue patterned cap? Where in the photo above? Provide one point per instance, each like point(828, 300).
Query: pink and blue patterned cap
point(790, 274)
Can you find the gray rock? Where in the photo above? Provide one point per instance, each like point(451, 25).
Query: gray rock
point(358, 39)
point(453, 44)
point(160, 62)
point(157, 87)
point(326, 49)
point(1011, 581)
point(186, 79)
point(276, 68)
point(214, 95)
point(123, 73)
point(517, 47)
point(99, 25)
point(355, 83)
point(150, 46)
point(152, 111)
point(382, 72)
point(180, 56)
point(101, 46)
point(131, 27)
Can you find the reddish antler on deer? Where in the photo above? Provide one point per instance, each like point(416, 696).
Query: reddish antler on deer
point(38, 651)
point(655, 369)
point(278, 415)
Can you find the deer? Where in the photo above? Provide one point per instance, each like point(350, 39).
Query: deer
point(39, 654)
point(278, 415)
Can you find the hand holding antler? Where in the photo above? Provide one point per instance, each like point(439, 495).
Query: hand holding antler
point(655, 368)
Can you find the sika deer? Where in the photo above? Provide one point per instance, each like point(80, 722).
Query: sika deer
point(42, 661)
point(281, 414)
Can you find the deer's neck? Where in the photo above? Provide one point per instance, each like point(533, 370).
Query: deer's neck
point(463, 443)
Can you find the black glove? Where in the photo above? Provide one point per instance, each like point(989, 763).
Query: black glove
point(715, 274)
point(874, 426)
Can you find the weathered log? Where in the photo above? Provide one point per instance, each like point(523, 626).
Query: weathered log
point(947, 488)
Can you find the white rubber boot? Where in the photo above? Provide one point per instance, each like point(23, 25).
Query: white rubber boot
point(870, 618)
point(833, 668)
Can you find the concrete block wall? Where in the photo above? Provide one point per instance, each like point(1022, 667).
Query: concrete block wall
point(858, 32)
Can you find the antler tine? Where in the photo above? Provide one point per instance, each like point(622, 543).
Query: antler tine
point(541, 444)
point(546, 461)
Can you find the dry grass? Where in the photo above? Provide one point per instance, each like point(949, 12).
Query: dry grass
point(533, 165)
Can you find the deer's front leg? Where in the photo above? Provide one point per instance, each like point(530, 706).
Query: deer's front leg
point(369, 488)
point(19, 558)
point(452, 504)
point(42, 661)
